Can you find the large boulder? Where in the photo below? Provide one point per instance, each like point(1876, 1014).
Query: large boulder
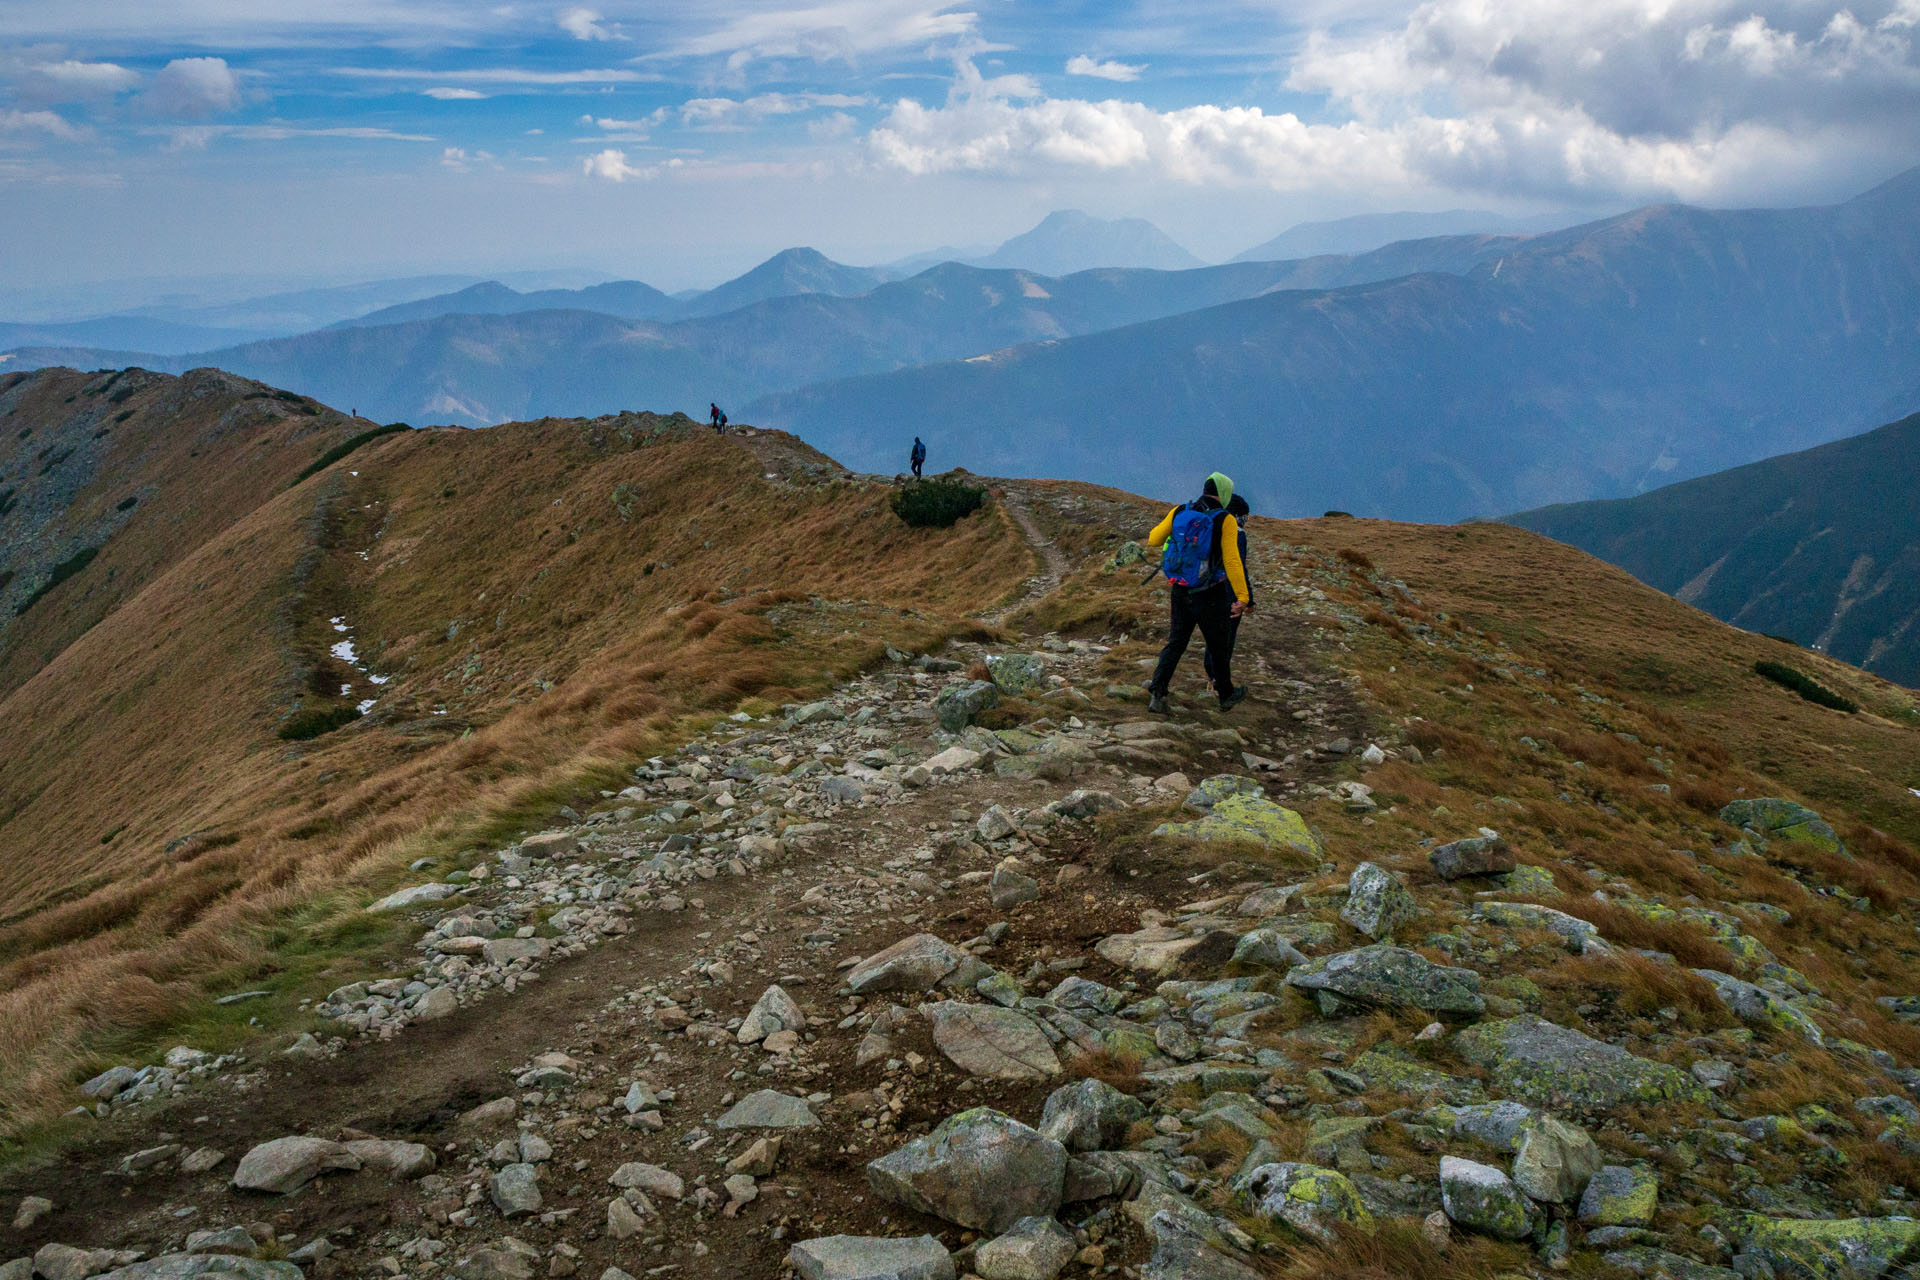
point(986, 1040)
point(871, 1258)
point(1558, 1069)
point(768, 1109)
point(1184, 1250)
point(1017, 673)
point(1620, 1196)
point(959, 705)
point(1553, 1160)
point(1250, 818)
point(1090, 1115)
point(1834, 1249)
point(980, 1169)
point(1481, 1198)
point(1755, 1004)
point(1482, 855)
point(918, 963)
point(1034, 1248)
point(1388, 977)
point(287, 1164)
point(1378, 904)
point(1307, 1198)
point(1772, 818)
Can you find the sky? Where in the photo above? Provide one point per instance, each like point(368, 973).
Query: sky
point(681, 143)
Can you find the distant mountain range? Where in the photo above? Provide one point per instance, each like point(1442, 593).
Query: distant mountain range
point(1597, 361)
point(1821, 546)
point(1070, 241)
point(1371, 230)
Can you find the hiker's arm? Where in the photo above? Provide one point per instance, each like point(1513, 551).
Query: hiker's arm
point(1230, 554)
point(1162, 531)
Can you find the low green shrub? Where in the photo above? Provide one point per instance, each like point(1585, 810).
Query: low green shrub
point(61, 572)
point(303, 725)
point(346, 447)
point(937, 503)
point(1805, 685)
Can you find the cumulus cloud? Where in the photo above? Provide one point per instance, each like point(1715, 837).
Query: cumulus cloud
point(583, 24)
point(192, 88)
point(447, 93)
point(50, 123)
point(1559, 99)
point(1082, 65)
point(611, 165)
point(835, 30)
point(461, 160)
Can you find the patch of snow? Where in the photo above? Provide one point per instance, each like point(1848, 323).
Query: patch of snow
point(366, 706)
point(339, 624)
point(345, 689)
point(353, 473)
point(1913, 791)
point(378, 679)
point(344, 652)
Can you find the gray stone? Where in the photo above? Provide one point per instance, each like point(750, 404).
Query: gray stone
point(979, 1169)
point(508, 1260)
point(1553, 1160)
point(193, 1266)
point(503, 951)
point(109, 1082)
point(996, 824)
point(1555, 1068)
point(17, 1269)
point(1620, 1196)
point(31, 1210)
point(871, 1258)
point(1184, 1249)
point(623, 1220)
point(773, 1011)
point(1581, 937)
point(842, 790)
point(1757, 1005)
point(957, 706)
point(650, 1178)
point(1378, 904)
point(66, 1262)
point(1772, 818)
point(918, 963)
point(436, 1004)
point(1033, 1248)
point(550, 844)
point(952, 760)
point(1481, 1198)
point(1497, 1124)
point(1267, 949)
point(1085, 803)
point(1661, 1264)
point(402, 1160)
point(1834, 1249)
point(1017, 673)
point(1475, 856)
point(287, 1164)
point(1010, 887)
point(767, 1109)
point(1090, 1115)
point(1390, 977)
point(415, 896)
point(1217, 788)
point(988, 1041)
point(515, 1190)
point(235, 1240)
point(1307, 1198)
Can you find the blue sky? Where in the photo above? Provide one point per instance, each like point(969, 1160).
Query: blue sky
point(681, 143)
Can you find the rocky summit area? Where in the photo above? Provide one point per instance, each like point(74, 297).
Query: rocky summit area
point(971, 969)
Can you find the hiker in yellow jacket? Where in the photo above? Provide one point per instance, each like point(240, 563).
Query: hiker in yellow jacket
point(1207, 588)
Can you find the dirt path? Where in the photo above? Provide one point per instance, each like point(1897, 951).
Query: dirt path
point(901, 860)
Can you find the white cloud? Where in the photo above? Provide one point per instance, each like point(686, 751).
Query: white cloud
point(447, 93)
point(836, 30)
point(503, 75)
point(737, 112)
point(583, 24)
point(51, 123)
point(611, 124)
point(1082, 65)
point(194, 137)
point(831, 127)
point(193, 88)
point(611, 165)
point(70, 80)
point(461, 160)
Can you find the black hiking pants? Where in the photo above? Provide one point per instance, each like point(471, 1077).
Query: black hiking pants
point(1233, 639)
point(1210, 609)
point(916, 468)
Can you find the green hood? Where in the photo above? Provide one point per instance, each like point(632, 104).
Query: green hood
point(1222, 487)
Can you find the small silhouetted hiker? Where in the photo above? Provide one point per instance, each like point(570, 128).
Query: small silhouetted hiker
point(1207, 588)
point(919, 456)
point(1238, 509)
point(717, 418)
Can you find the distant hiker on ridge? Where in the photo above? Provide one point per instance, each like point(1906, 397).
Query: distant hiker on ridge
point(918, 457)
point(1207, 589)
point(713, 416)
point(1237, 508)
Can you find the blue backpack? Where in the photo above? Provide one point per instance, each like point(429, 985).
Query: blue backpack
point(1189, 559)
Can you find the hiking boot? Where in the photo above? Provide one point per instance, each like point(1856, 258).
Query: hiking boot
point(1158, 705)
point(1234, 699)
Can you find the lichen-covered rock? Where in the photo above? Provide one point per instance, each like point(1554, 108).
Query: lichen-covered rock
point(1378, 904)
point(1662, 1264)
point(1755, 1004)
point(1089, 1115)
point(1385, 1067)
point(1249, 818)
point(1620, 1196)
point(1184, 1248)
point(1032, 1249)
point(871, 1258)
point(995, 1043)
point(1213, 790)
point(1266, 949)
point(1306, 1197)
point(1772, 818)
point(980, 1169)
point(1532, 881)
point(1017, 673)
point(1481, 1198)
point(1388, 977)
point(1484, 855)
point(1556, 1068)
point(959, 705)
point(1581, 937)
point(1834, 1249)
point(1553, 1160)
point(1498, 1124)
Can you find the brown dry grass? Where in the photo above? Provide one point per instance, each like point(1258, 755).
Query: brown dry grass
point(1389, 1249)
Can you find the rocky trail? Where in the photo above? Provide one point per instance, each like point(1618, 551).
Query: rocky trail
point(939, 975)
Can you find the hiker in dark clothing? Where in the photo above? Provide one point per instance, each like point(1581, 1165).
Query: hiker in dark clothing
point(716, 418)
point(1208, 588)
point(918, 457)
point(1238, 509)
